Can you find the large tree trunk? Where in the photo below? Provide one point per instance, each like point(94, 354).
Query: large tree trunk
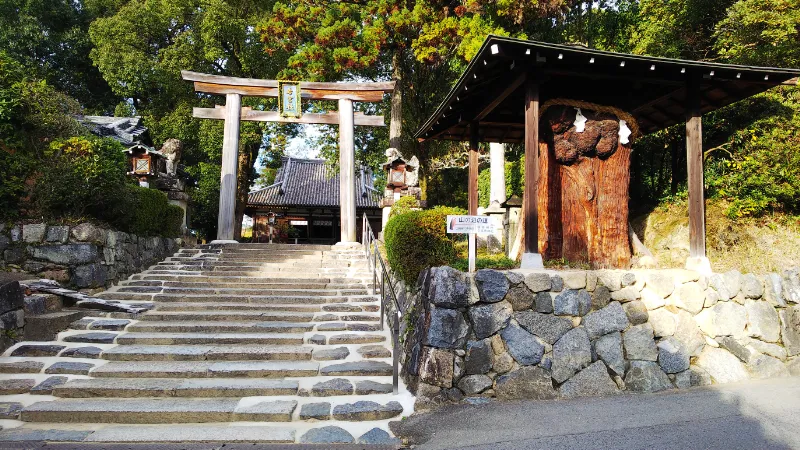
point(583, 191)
point(245, 176)
point(396, 115)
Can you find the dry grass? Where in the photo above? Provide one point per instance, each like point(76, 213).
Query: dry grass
point(763, 245)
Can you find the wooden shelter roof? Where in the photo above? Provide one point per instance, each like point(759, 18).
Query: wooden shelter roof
point(653, 90)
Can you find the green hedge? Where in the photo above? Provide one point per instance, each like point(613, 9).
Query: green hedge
point(149, 213)
point(404, 205)
point(85, 177)
point(418, 240)
point(82, 177)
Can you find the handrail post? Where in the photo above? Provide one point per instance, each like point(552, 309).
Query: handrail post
point(375, 271)
point(383, 316)
point(395, 351)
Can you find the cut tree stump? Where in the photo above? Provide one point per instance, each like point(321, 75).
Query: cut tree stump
point(583, 190)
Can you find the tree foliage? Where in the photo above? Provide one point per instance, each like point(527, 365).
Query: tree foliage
point(140, 46)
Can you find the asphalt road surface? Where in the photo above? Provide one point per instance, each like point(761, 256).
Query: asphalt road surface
point(753, 415)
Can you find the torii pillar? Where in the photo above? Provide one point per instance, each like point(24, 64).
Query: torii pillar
point(228, 176)
point(347, 172)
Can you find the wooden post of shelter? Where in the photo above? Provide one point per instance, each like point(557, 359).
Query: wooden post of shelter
point(694, 165)
point(472, 187)
point(531, 259)
point(234, 88)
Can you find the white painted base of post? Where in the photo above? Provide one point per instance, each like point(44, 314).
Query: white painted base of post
point(472, 252)
point(532, 261)
point(699, 264)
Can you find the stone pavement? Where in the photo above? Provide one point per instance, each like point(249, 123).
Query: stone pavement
point(262, 343)
point(750, 415)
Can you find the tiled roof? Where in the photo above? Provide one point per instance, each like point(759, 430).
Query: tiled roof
point(127, 130)
point(311, 182)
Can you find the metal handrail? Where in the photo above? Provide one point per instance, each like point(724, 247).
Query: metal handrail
point(374, 259)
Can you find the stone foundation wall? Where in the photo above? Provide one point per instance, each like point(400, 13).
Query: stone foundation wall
point(551, 334)
point(82, 256)
point(12, 315)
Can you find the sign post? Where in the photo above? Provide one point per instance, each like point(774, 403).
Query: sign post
point(471, 225)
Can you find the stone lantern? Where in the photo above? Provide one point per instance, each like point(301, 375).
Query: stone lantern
point(402, 179)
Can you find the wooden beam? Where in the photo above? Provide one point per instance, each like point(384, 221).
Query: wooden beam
point(502, 124)
point(386, 86)
point(472, 189)
point(316, 94)
point(499, 98)
point(531, 192)
point(694, 163)
point(665, 113)
point(253, 115)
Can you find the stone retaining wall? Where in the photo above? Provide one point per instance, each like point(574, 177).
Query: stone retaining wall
point(82, 255)
point(12, 315)
point(549, 334)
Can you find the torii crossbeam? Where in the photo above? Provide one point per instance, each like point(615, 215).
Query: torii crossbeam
point(232, 113)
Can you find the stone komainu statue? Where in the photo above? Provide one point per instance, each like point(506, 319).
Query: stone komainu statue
point(172, 150)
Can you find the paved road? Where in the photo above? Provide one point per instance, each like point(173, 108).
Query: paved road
point(753, 415)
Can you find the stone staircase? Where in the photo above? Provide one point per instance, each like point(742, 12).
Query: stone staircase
point(264, 343)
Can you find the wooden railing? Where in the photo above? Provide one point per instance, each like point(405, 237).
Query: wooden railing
point(380, 273)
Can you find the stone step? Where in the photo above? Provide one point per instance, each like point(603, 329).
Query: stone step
point(260, 266)
point(175, 387)
point(239, 352)
point(143, 434)
point(255, 315)
point(208, 369)
point(157, 410)
point(209, 338)
point(222, 278)
point(315, 257)
point(272, 272)
point(268, 274)
point(237, 291)
point(232, 248)
point(271, 316)
point(314, 436)
point(274, 299)
point(220, 327)
point(265, 284)
point(232, 306)
point(45, 327)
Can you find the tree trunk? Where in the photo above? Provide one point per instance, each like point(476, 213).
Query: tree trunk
point(245, 176)
point(396, 115)
point(583, 191)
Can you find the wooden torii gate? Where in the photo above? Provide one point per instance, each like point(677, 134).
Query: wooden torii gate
point(232, 113)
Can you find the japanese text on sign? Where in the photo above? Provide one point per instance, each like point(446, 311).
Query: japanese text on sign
point(470, 224)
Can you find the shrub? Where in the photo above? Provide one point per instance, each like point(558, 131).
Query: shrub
point(499, 261)
point(418, 240)
point(149, 213)
point(80, 177)
point(403, 205)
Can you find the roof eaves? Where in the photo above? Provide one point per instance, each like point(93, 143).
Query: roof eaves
point(494, 39)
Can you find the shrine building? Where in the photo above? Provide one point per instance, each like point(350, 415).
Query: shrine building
point(305, 196)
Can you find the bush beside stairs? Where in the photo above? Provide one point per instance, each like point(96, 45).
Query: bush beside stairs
point(264, 343)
